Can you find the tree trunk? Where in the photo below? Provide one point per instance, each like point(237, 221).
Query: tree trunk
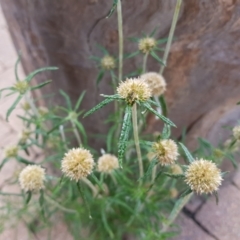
point(203, 68)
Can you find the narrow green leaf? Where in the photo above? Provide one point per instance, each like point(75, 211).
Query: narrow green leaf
point(153, 102)
point(115, 96)
point(113, 8)
point(163, 105)
point(110, 138)
point(131, 55)
point(79, 101)
point(154, 55)
point(97, 181)
point(122, 144)
point(3, 162)
point(100, 76)
point(216, 197)
point(33, 74)
point(148, 173)
point(232, 159)
point(163, 40)
point(41, 198)
point(67, 99)
point(81, 129)
point(166, 133)
point(40, 85)
point(79, 186)
point(29, 196)
point(133, 39)
point(187, 153)
point(185, 193)
point(56, 126)
point(104, 50)
point(153, 32)
point(119, 202)
point(166, 120)
point(13, 106)
point(176, 209)
point(16, 66)
point(22, 160)
point(4, 89)
point(95, 58)
point(105, 223)
point(177, 176)
point(97, 107)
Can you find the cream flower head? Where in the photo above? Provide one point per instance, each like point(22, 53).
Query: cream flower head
point(32, 178)
point(24, 136)
point(176, 169)
point(236, 132)
point(156, 83)
point(166, 151)
point(21, 86)
point(107, 163)
point(203, 176)
point(43, 111)
point(77, 163)
point(134, 89)
point(11, 152)
point(108, 63)
point(147, 44)
point(25, 106)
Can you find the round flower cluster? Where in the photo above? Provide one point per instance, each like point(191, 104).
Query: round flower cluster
point(147, 44)
point(134, 89)
point(32, 178)
point(24, 136)
point(43, 111)
point(156, 83)
point(108, 63)
point(203, 176)
point(11, 152)
point(21, 86)
point(107, 163)
point(77, 163)
point(236, 132)
point(166, 151)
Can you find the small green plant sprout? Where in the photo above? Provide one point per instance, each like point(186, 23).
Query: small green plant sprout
point(105, 64)
point(133, 91)
point(23, 87)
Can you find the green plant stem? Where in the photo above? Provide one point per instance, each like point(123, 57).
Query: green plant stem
point(58, 205)
point(170, 37)
point(145, 57)
point(114, 86)
point(91, 186)
point(154, 173)
point(61, 130)
point(76, 133)
point(28, 98)
point(136, 138)
point(120, 36)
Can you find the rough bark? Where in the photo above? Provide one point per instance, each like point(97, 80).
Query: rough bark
point(202, 71)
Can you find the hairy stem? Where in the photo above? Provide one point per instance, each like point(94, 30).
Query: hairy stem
point(28, 98)
point(58, 205)
point(120, 36)
point(145, 57)
point(61, 130)
point(170, 37)
point(91, 186)
point(76, 133)
point(136, 138)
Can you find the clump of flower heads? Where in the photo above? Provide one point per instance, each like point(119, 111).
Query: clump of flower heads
point(236, 132)
point(203, 176)
point(134, 89)
point(156, 83)
point(77, 163)
point(11, 152)
point(32, 178)
point(21, 86)
point(107, 163)
point(166, 151)
point(147, 44)
point(108, 63)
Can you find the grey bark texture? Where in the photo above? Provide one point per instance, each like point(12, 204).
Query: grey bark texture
point(203, 69)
